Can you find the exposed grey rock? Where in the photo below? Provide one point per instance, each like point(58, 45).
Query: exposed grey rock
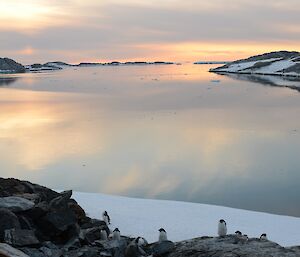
point(10, 66)
point(162, 248)
point(60, 220)
point(90, 235)
point(84, 252)
point(8, 220)
point(15, 204)
point(229, 246)
point(117, 248)
point(33, 252)
point(51, 252)
point(61, 201)
point(8, 251)
point(20, 237)
point(72, 244)
point(35, 198)
point(15, 187)
point(60, 225)
point(134, 250)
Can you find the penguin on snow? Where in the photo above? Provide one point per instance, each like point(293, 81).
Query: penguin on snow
point(162, 235)
point(106, 217)
point(222, 228)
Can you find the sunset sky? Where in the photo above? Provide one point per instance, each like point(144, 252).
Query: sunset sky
point(169, 30)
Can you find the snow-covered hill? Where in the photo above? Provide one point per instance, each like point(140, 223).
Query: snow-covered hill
point(184, 220)
point(282, 63)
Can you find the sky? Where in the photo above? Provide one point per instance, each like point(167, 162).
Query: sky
point(168, 30)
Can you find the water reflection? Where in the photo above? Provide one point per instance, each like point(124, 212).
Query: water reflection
point(5, 81)
point(274, 81)
point(168, 135)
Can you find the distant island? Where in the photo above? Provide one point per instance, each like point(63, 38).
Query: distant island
point(10, 66)
point(281, 63)
point(210, 62)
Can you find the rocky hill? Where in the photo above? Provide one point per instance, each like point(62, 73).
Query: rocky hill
point(38, 222)
point(281, 63)
point(10, 66)
point(231, 246)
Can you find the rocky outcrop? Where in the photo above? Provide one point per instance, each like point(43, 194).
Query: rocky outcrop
point(231, 246)
point(38, 222)
point(281, 63)
point(10, 66)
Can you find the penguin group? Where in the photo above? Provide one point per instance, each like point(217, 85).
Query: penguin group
point(222, 232)
point(135, 247)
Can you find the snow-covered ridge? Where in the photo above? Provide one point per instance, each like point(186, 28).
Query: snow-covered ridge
point(282, 63)
point(184, 220)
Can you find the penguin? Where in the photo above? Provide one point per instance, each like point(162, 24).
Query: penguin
point(222, 228)
point(141, 241)
point(238, 237)
point(162, 235)
point(263, 237)
point(116, 234)
point(134, 249)
point(103, 234)
point(106, 217)
point(238, 233)
point(245, 237)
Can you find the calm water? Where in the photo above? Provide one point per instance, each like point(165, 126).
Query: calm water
point(165, 132)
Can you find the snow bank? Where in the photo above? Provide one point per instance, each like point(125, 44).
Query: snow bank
point(283, 63)
point(183, 220)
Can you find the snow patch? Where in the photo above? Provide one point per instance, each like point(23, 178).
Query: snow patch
point(182, 220)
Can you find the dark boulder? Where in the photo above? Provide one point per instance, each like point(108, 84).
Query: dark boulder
point(8, 220)
point(162, 248)
point(51, 252)
point(9, 251)
point(78, 211)
point(32, 252)
point(84, 252)
point(61, 201)
point(15, 204)
point(15, 187)
point(90, 235)
point(59, 226)
point(20, 237)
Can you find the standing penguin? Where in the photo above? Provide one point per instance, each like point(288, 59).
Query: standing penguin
point(106, 217)
point(162, 235)
point(263, 237)
point(103, 234)
point(116, 234)
point(222, 228)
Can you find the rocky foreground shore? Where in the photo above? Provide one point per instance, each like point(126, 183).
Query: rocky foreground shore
point(38, 222)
